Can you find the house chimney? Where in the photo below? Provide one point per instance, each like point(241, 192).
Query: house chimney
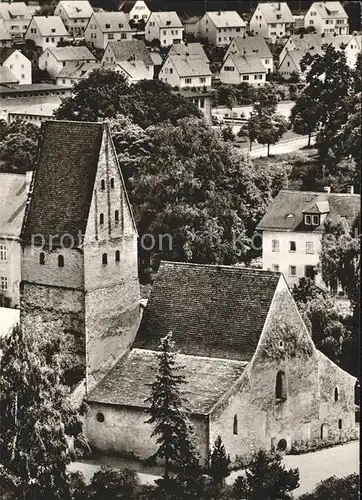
point(327, 189)
point(350, 189)
point(278, 6)
point(219, 13)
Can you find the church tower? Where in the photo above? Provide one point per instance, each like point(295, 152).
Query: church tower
point(79, 248)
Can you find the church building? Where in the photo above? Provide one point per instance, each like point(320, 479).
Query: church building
point(253, 374)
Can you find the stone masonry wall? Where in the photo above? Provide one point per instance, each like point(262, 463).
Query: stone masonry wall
point(124, 431)
point(263, 421)
point(112, 288)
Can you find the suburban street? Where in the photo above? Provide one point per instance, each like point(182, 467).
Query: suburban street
point(313, 467)
point(287, 146)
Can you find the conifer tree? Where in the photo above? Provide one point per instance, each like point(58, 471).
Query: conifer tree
point(219, 462)
point(171, 427)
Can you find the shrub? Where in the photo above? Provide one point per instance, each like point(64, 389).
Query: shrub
point(344, 436)
point(334, 488)
point(110, 484)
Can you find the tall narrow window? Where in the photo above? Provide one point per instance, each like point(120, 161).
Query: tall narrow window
point(60, 261)
point(117, 256)
point(3, 252)
point(101, 218)
point(116, 216)
point(42, 258)
point(112, 183)
point(103, 184)
point(280, 386)
point(340, 424)
point(235, 425)
point(104, 259)
point(336, 394)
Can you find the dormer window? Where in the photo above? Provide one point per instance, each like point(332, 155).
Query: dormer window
point(311, 220)
point(108, 26)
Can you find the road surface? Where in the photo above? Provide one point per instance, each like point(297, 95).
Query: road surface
point(281, 148)
point(313, 467)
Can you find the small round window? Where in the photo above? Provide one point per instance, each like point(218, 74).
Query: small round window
point(100, 417)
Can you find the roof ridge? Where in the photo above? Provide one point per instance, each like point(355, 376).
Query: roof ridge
point(222, 266)
point(236, 361)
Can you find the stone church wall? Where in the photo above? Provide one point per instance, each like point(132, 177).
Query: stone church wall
point(262, 419)
point(124, 431)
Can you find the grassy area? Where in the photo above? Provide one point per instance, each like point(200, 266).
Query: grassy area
point(306, 175)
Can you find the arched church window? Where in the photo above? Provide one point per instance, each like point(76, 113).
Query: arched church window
point(42, 258)
point(104, 259)
point(103, 184)
point(101, 219)
point(60, 261)
point(117, 256)
point(116, 216)
point(336, 395)
point(112, 183)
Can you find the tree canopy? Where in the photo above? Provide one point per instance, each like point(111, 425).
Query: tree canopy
point(105, 93)
point(186, 182)
point(35, 418)
point(18, 146)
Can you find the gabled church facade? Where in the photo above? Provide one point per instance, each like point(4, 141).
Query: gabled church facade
point(254, 375)
point(79, 248)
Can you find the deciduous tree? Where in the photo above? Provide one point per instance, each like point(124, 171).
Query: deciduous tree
point(35, 418)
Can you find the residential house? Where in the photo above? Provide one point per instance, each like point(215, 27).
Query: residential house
point(54, 59)
point(327, 17)
point(137, 10)
point(272, 20)
point(194, 49)
point(104, 27)
point(81, 276)
point(19, 65)
point(191, 25)
point(293, 227)
point(74, 72)
point(298, 46)
point(254, 376)
point(252, 46)
point(5, 37)
point(237, 69)
point(186, 72)
point(220, 27)
point(75, 15)
point(16, 17)
point(13, 194)
point(133, 56)
point(165, 27)
point(46, 31)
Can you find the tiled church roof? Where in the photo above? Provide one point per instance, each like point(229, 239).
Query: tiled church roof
point(64, 179)
point(212, 311)
point(208, 379)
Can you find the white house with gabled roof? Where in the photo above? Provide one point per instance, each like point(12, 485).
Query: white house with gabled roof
point(46, 31)
point(75, 15)
point(327, 17)
point(16, 17)
point(272, 20)
point(165, 27)
point(252, 46)
point(237, 69)
point(220, 27)
point(19, 65)
point(186, 72)
point(136, 10)
point(54, 59)
point(104, 27)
